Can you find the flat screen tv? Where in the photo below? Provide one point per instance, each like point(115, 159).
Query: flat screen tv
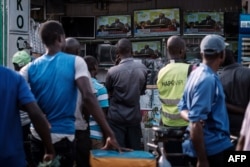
point(156, 22)
point(114, 26)
point(244, 27)
point(203, 23)
point(79, 27)
point(147, 49)
point(231, 23)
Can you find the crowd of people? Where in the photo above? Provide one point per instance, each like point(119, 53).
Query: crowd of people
point(57, 106)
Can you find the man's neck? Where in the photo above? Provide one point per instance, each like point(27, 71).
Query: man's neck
point(212, 64)
point(52, 50)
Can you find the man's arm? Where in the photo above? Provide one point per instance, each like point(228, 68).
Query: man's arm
point(42, 127)
point(94, 109)
point(241, 143)
point(235, 109)
point(184, 115)
point(197, 138)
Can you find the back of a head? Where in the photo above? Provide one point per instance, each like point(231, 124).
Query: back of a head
point(212, 45)
point(124, 47)
point(72, 46)
point(176, 47)
point(91, 62)
point(229, 58)
point(50, 31)
point(20, 59)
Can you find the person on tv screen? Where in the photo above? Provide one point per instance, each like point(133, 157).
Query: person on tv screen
point(126, 28)
point(117, 24)
point(208, 21)
point(162, 20)
point(174, 25)
point(147, 50)
point(101, 28)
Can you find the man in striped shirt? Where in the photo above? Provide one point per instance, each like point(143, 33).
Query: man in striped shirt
point(102, 97)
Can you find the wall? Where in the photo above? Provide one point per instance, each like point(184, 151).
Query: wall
point(127, 7)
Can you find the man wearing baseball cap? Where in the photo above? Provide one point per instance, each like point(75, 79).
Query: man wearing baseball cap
point(203, 104)
point(20, 59)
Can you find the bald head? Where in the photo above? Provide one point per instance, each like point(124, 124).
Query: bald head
point(124, 48)
point(72, 46)
point(176, 47)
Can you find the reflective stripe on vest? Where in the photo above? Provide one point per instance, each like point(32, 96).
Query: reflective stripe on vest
point(171, 116)
point(170, 101)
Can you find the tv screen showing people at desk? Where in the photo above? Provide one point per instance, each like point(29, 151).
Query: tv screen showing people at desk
point(204, 23)
point(115, 26)
point(149, 49)
point(156, 22)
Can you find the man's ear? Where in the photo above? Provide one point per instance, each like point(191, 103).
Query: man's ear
point(182, 52)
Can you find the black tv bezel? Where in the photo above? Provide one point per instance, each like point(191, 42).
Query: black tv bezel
point(113, 36)
point(205, 33)
point(160, 35)
point(94, 26)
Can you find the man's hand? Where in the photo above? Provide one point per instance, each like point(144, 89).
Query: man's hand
point(48, 157)
point(112, 144)
point(203, 163)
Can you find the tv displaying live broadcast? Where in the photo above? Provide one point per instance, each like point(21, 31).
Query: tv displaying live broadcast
point(114, 26)
point(204, 23)
point(156, 22)
point(147, 49)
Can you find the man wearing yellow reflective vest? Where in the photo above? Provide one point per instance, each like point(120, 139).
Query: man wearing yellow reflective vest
point(171, 81)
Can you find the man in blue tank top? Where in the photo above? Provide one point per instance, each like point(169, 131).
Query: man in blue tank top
point(54, 79)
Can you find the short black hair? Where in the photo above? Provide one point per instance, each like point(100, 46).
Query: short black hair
point(229, 58)
point(213, 56)
point(175, 45)
point(124, 46)
point(91, 62)
point(51, 31)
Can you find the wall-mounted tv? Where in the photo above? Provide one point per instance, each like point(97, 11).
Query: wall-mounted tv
point(114, 26)
point(244, 24)
point(147, 49)
point(79, 27)
point(231, 23)
point(203, 23)
point(156, 22)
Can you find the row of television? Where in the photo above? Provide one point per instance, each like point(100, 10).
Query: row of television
point(152, 23)
point(106, 53)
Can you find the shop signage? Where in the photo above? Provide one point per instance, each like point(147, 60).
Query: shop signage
point(19, 15)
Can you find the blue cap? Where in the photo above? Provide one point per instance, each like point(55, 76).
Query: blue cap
point(212, 44)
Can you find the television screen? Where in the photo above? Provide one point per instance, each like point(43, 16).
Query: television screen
point(106, 54)
point(79, 27)
point(147, 49)
point(203, 23)
point(115, 26)
point(156, 22)
point(244, 24)
point(231, 23)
